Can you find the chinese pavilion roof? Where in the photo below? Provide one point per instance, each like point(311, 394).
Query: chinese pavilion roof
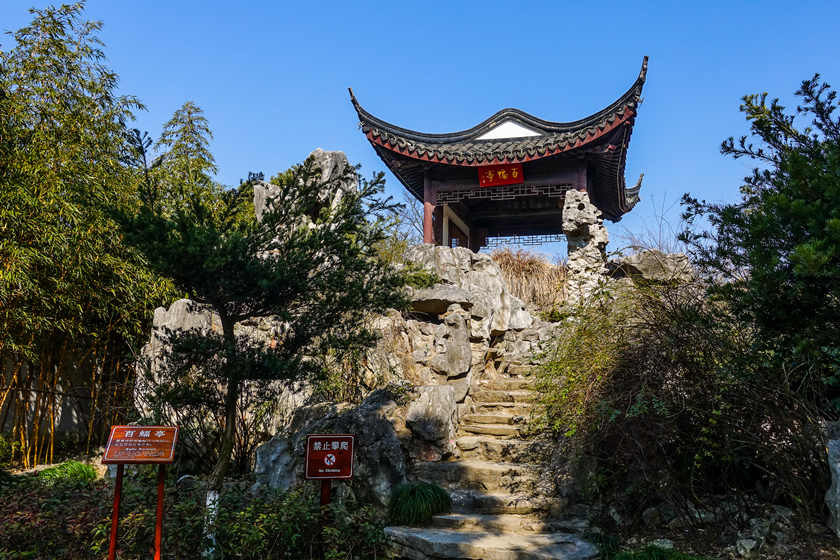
point(514, 136)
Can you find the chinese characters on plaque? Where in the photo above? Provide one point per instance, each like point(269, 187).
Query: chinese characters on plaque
point(329, 456)
point(141, 444)
point(495, 175)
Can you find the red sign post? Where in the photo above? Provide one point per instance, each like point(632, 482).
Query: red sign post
point(139, 445)
point(329, 456)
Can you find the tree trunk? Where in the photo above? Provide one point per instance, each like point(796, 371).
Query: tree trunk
point(231, 401)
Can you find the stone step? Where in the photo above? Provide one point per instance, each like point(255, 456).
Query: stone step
point(508, 407)
point(432, 543)
point(499, 430)
point(508, 523)
point(494, 449)
point(483, 476)
point(494, 418)
point(521, 369)
point(490, 395)
point(508, 384)
point(471, 501)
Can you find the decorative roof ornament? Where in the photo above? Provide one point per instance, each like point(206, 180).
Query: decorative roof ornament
point(514, 136)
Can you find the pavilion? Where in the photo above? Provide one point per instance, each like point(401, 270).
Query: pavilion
point(504, 180)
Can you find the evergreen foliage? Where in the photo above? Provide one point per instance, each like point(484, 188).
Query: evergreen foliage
point(775, 255)
point(415, 503)
point(308, 263)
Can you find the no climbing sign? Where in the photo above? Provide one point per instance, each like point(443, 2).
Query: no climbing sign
point(329, 456)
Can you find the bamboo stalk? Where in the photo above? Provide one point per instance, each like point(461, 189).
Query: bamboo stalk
point(37, 410)
point(59, 367)
point(9, 388)
point(8, 408)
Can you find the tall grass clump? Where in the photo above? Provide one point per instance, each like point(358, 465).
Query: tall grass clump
point(532, 278)
point(415, 503)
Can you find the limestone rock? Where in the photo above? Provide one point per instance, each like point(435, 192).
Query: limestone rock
point(379, 458)
point(434, 543)
point(587, 240)
point(185, 315)
point(331, 164)
point(491, 305)
point(832, 496)
point(437, 299)
point(746, 548)
point(653, 266)
point(433, 416)
point(455, 360)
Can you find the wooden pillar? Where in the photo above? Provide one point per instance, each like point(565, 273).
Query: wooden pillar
point(478, 238)
point(428, 210)
point(581, 177)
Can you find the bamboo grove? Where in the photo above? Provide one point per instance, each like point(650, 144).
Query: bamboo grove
point(73, 296)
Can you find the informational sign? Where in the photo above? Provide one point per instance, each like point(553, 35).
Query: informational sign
point(141, 444)
point(329, 456)
point(495, 175)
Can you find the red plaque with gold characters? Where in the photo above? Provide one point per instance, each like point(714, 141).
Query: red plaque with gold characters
point(495, 175)
point(141, 444)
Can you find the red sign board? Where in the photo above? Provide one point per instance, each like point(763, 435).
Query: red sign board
point(495, 175)
point(329, 456)
point(141, 444)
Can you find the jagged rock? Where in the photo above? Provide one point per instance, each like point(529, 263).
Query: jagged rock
point(587, 240)
point(653, 266)
point(379, 459)
point(491, 305)
point(187, 315)
point(832, 496)
point(746, 548)
point(433, 415)
point(437, 299)
point(331, 164)
point(401, 352)
point(456, 357)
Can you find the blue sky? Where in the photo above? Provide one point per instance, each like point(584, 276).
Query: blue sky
point(272, 77)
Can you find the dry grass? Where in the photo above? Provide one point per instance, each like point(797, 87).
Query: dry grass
point(532, 278)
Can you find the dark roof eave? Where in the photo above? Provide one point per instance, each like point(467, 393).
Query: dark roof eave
point(631, 96)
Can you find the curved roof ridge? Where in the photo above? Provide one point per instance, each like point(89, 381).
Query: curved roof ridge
point(633, 94)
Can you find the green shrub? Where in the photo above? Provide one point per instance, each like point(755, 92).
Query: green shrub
point(414, 503)
point(662, 396)
point(270, 525)
point(7, 449)
point(69, 473)
point(420, 278)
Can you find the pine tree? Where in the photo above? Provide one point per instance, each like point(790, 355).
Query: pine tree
point(775, 255)
point(312, 265)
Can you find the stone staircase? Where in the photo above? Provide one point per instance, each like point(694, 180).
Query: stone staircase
point(498, 513)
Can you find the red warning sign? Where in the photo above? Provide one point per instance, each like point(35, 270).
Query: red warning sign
point(329, 456)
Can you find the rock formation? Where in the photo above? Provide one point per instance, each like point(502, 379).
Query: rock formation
point(652, 265)
point(832, 496)
point(332, 165)
point(587, 239)
point(466, 350)
point(380, 462)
